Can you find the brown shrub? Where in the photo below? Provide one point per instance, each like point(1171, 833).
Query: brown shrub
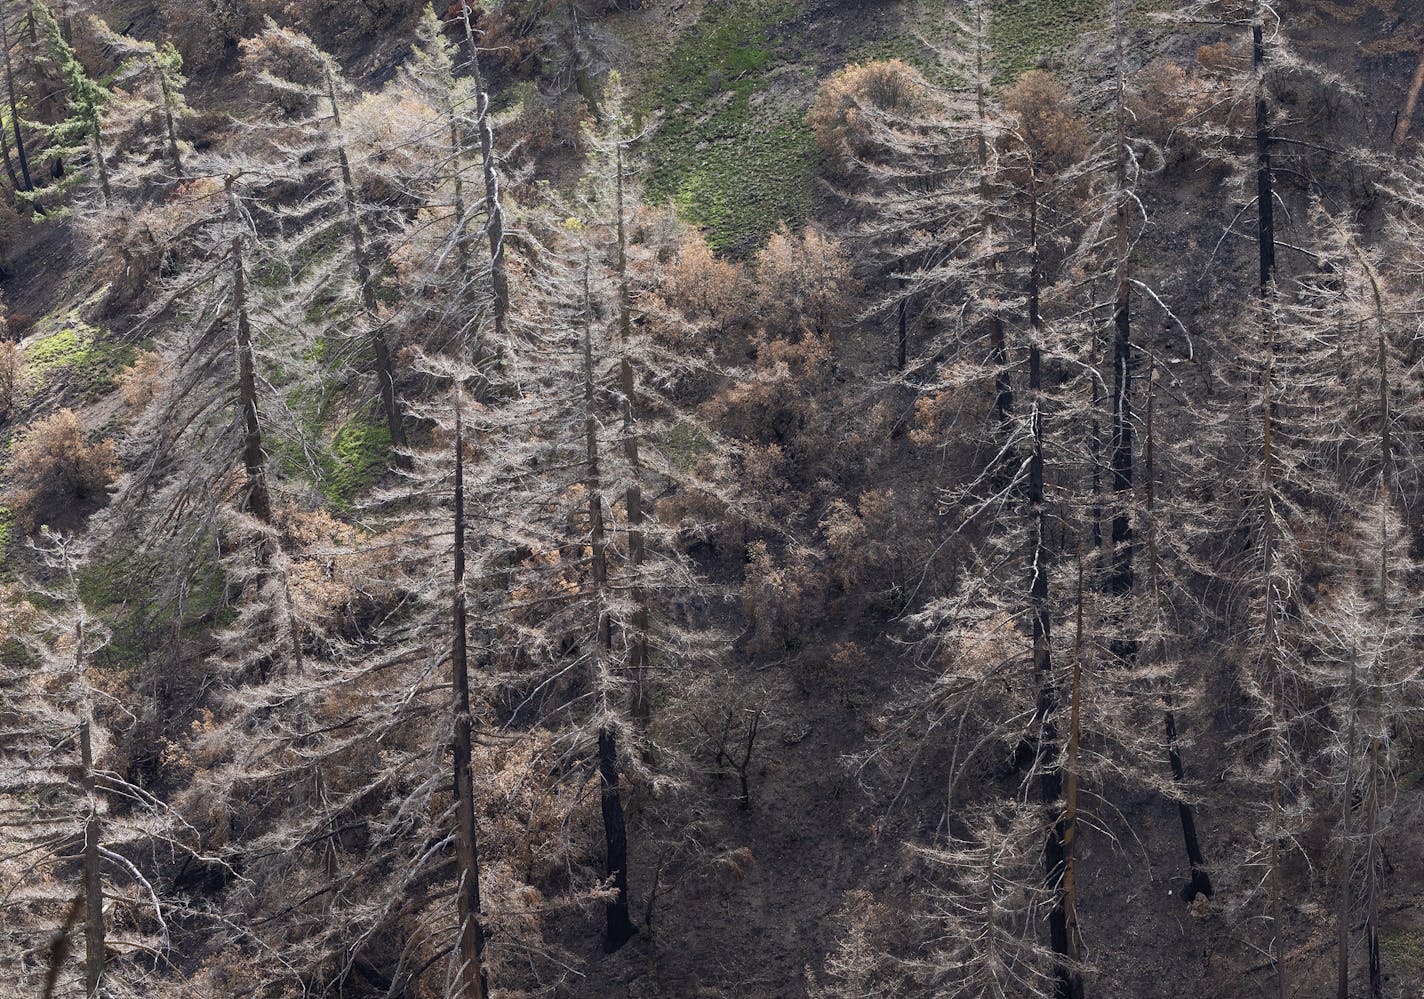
point(54, 466)
point(804, 281)
point(705, 288)
point(1165, 103)
point(860, 540)
point(140, 381)
point(777, 401)
point(1222, 59)
point(848, 104)
point(207, 33)
point(780, 597)
point(12, 375)
point(1048, 120)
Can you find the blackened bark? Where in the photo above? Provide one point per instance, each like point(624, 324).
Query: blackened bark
point(1046, 761)
point(360, 254)
point(474, 983)
point(1265, 195)
point(14, 99)
point(499, 273)
point(254, 458)
point(169, 122)
point(619, 927)
point(93, 886)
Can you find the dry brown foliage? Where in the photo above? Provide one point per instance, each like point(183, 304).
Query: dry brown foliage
point(705, 287)
point(1048, 120)
point(142, 380)
point(54, 467)
point(780, 596)
point(12, 376)
point(804, 280)
point(847, 103)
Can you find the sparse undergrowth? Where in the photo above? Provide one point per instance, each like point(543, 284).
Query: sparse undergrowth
point(733, 155)
point(121, 591)
point(359, 453)
point(1023, 32)
point(66, 346)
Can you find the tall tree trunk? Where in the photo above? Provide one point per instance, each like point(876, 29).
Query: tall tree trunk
point(474, 983)
point(93, 885)
point(9, 162)
point(96, 141)
point(619, 927)
point(14, 100)
point(1200, 883)
point(1120, 576)
point(1266, 246)
point(169, 118)
point(1046, 762)
point(499, 273)
point(998, 344)
point(1347, 847)
point(1265, 193)
point(902, 333)
point(462, 253)
point(633, 510)
point(633, 498)
point(1070, 806)
point(254, 458)
point(385, 368)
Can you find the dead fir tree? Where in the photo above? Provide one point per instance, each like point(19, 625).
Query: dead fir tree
point(305, 86)
point(78, 828)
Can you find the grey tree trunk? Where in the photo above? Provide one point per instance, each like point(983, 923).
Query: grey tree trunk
point(360, 254)
point(499, 272)
point(93, 884)
point(619, 927)
point(473, 983)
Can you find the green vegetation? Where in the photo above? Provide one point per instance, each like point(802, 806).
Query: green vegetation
point(78, 351)
point(7, 527)
point(1022, 32)
point(359, 453)
point(122, 591)
point(1403, 950)
point(684, 444)
point(733, 157)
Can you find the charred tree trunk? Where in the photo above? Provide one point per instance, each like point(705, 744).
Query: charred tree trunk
point(998, 343)
point(499, 273)
point(902, 333)
point(1120, 574)
point(96, 140)
point(1070, 805)
point(9, 161)
point(14, 100)
point(170, 123)
point(1046, 762)
point(1265, 193)
point(1200, 882)
point(93, 885)
point(385, 368)
point(633, 503)
point(254, 458)
point(1266, 246)
point(619, 927)
point(473, 982)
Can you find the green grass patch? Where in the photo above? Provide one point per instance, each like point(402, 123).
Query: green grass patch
point(732, 157)
point(1403, 950)
point(683, 444)
point(80, 352)
point(7, 532)
point(1024, 32)
point(123, 591)
point(359, 453)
